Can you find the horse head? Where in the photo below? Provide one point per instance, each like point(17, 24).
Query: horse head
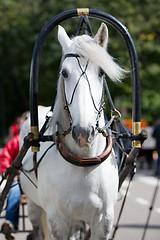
point(84, 62)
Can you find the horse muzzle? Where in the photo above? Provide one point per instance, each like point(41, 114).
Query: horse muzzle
point(83, 137)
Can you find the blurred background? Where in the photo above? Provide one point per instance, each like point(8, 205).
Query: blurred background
point(21, 22)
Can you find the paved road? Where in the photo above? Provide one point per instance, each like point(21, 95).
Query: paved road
point(135, 212)
point(21, 235)
point(136, 209)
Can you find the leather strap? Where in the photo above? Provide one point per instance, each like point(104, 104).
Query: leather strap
point(85, 161)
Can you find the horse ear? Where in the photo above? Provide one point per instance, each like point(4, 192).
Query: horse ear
point(63, 38)
point(102, 35)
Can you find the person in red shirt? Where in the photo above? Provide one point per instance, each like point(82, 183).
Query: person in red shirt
point(7, 156)
point(9, 153)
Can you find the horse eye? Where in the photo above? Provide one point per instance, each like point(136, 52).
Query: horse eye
point(101, 73)
point(64, 73)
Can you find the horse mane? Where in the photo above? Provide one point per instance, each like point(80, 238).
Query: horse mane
point(87, 47)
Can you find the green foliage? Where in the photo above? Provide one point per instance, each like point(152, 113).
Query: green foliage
point(21, 22)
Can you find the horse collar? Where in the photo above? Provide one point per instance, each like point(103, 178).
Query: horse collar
point(85, 161)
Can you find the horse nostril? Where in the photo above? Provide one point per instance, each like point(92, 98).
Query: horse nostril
point(92, 132)
point(91, 135)
point(74, 134)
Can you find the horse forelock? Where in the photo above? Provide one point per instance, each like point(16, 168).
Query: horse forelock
point(87, 47)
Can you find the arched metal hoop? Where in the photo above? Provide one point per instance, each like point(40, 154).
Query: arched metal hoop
point(93, 13)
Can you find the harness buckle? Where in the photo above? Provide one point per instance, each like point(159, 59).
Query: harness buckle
point(116, 114)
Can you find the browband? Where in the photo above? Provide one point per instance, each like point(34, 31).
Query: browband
point(71, 55)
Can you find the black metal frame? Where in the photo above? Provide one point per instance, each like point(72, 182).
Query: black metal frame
point(34, 75)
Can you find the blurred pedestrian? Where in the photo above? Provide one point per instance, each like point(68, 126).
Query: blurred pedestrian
point(15, 126)
point(7, 155)
point(156, 135)
point(149, 146)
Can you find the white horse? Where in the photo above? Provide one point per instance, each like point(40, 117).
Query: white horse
point(68, 193)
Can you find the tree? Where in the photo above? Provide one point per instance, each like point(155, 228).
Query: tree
point(21, 22)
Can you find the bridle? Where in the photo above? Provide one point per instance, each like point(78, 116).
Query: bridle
point(64, 151)
point(83, 73)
